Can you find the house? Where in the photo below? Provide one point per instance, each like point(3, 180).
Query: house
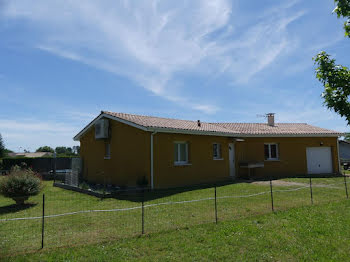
point(122, 149)
point(31, 155)
point(344, 151)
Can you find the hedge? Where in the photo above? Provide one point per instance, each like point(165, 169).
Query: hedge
point(38, 164)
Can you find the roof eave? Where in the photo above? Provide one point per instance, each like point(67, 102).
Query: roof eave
point(104, 115)
point(193, 132)
point(293, 135)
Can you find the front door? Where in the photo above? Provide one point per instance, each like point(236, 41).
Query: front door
point(231, 157)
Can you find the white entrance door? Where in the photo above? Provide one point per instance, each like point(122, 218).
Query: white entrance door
point(231, 152)
point(319, 160)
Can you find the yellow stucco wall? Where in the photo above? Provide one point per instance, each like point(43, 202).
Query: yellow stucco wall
point(130, 155)
point(292, 154)
point(201, 169)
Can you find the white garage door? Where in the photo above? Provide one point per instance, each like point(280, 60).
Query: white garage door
point(319, 160)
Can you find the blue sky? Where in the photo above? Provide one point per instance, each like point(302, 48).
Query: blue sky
point(219, 60)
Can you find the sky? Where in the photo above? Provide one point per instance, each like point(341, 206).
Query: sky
point(217, 61)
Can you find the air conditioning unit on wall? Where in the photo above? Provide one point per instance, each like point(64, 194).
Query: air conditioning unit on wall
point(101, 128)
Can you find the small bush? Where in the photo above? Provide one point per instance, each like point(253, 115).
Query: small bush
point(20, 184)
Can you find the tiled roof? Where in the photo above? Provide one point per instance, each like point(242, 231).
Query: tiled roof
point(278, 129)
point(168, 123)
point(229, 128)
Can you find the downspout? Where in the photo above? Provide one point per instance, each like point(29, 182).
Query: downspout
point(152, 167)
point(339, 170)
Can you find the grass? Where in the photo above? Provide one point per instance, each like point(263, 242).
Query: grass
point(317, 233)
point(17, 237)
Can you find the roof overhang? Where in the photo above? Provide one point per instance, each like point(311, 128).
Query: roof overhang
point(150, 129)
point(103, 115)
point(290, 135)
point(191, 132)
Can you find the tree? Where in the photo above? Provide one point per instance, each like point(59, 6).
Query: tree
point(8, 151)
point(343, 10)
point(45, 149)
point(2, 147)
point(62, 150)
point(336, 78)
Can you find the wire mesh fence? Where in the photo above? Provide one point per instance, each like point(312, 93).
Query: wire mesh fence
point(61, 217)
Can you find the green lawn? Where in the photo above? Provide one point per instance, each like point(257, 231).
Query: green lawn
point(162, 221)
point(317, 233)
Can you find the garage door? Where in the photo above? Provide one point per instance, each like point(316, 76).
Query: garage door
point(319, 160)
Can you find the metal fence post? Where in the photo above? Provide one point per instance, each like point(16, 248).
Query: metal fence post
point(312, 199)
point(346, 187)
point(273, 209)
point(43, 223)
point(54, 167)
point(216, 208)
point(143, 212)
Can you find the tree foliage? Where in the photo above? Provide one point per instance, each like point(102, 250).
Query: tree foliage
point(336, 78)
point(45, 149)
point(60, 150)
point(336, 81)
point(2, 148)
point(343, 10)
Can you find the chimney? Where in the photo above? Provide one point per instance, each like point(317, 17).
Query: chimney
point(199, 123)
point(271, 119)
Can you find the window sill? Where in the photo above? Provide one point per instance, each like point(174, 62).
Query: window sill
point(182, 164)
point(272, 160)
point(106, 157)
point(218, 159)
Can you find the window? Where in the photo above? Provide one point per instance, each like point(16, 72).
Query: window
point(181, 153)
point(271, 151)
point(217, 151)
point(107, 151)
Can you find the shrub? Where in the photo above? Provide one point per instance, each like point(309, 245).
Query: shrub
point(20, 184)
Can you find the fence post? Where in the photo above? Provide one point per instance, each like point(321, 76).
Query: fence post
point(346, 187)
point(312, 199)
point(54, 167)
point(273, 209)
point(143, 212)
point(216, 208)
point(43, 223)
point(104, 187)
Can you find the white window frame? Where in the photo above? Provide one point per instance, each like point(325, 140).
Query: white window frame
point(107, 151)
point(218, 147)
point(277, 152)
point(176, 161)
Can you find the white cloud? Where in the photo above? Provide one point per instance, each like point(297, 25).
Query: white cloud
point(29, 133)
point(32, 126)
point(153, 42)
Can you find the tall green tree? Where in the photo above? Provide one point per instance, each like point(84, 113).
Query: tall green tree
point(336, 78)
point(45, 149)
point(343, 10)
point(62, 150)
point(2, 147)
